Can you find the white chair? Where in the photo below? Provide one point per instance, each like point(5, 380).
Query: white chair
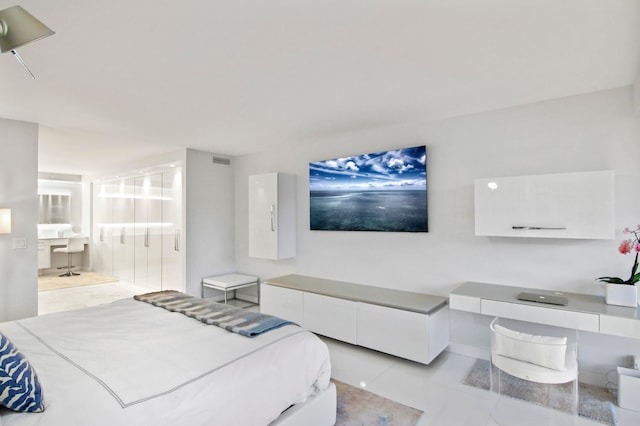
point(535, 353)
point(74, 245)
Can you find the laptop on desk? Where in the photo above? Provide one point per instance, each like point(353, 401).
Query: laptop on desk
point(543, 298)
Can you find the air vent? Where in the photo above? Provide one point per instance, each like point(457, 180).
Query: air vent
point(223, 161)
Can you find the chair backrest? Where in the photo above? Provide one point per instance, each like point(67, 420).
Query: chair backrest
point(546, 351)
point(75, 244)
point(528, 354)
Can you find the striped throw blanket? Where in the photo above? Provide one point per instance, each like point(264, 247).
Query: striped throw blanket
point(231, 318)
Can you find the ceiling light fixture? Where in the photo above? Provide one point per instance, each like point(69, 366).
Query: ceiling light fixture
point(17, 28)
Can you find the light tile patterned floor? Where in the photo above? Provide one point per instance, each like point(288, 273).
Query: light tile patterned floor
point(436, 389)
point(81, 297)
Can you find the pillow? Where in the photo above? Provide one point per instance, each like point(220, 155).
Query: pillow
point(539, 350)
point(19, 386)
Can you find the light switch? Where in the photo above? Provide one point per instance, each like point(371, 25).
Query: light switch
point(19, 243)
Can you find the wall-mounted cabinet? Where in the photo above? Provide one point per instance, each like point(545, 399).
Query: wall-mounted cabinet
point(414, 326)
point(272, 216)
point(567, 205)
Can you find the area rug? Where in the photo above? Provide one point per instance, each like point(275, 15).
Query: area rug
point(594, 403)
point(357, 407)
point(54, 282)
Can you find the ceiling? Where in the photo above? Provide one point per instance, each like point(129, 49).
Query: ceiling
point(134, 78)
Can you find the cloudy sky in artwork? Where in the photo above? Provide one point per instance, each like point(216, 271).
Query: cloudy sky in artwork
point(401, 169)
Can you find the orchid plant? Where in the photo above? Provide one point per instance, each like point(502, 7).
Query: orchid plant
point(627, 246)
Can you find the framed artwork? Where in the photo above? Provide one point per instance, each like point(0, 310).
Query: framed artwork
point(382, 191)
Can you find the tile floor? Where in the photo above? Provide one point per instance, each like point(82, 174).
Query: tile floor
point(436, 389)
point(81, 297)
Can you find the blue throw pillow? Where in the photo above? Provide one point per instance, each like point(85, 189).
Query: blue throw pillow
point(19, 386)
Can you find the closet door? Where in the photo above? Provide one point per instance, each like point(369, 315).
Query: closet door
point(123, 230)
point(154, 240)
point(102, 250)
point(172, 230)
point(147, 240)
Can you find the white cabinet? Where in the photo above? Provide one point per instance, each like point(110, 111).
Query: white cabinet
point(282, 302)
point(352, 313)
point(567, 205)
point(409, 335)
point(330, 316)
point(172, 229)
point(103, 229)
point(123, 227)
point(272, 219)
point(393, 331)
point(137, 224)
point(44, 254)
point(147, 231)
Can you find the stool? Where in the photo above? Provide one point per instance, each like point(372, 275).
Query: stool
point(74, 245)
point(230, 282)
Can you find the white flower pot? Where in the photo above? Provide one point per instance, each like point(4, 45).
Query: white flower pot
point(622, 295)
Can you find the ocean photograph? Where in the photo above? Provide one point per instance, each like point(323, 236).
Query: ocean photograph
point(385, 191)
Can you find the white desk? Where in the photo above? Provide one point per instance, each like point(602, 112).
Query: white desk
point(583, 312)
point(45, 246)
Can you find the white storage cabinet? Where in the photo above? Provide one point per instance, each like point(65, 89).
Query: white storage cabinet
point(352, 313)
point(282, 302)
point(330, 316)
point(272, 219)
point(44, 254)
point(567, 205)
point(137, 222)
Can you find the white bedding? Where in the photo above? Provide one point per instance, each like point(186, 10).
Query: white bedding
point(130, 363)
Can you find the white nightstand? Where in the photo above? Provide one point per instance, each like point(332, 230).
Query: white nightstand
point(230, 282)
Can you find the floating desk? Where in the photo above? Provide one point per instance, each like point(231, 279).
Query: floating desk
point(582, 312)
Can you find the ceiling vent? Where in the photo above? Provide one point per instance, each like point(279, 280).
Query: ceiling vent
point(220, 160)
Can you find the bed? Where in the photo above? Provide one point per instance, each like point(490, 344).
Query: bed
point(133, 363)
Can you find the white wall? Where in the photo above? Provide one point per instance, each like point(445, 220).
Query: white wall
point(598, 131)
point(208, 219)
point(18, 191)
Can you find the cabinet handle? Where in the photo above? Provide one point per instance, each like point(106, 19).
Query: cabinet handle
point(538, 228)
point(146, 237)
point(273, 217)
point(122, 234)
point(176, 240)
point(102, 234)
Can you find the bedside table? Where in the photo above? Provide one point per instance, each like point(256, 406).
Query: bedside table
point(230, 282)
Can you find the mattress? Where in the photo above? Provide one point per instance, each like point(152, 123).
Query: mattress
point(132, 363)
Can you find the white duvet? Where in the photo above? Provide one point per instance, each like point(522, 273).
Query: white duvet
point(131, 363)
